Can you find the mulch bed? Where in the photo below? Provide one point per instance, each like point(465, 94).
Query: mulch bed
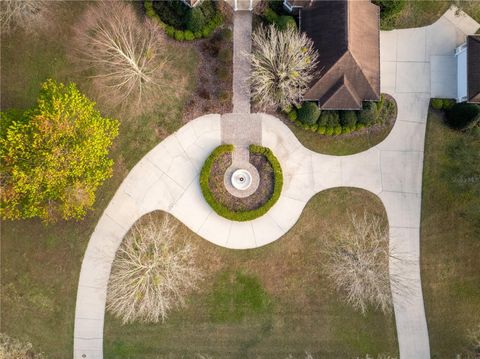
point(213, 93)
point(257, 199)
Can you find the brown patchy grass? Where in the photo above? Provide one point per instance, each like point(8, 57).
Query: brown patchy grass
point(418, 13)
point(40, 264)
point(303, 313)
point(449, 250)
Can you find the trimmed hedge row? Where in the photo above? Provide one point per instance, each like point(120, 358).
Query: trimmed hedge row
point(240, 216)
point(183, 35)
point(334, 123)
point(443, 103)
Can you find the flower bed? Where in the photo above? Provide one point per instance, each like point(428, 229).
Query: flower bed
point(183, 23)
point(241, 209)
point(335, 123)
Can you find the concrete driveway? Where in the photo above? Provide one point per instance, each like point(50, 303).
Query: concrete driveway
point(167, 179)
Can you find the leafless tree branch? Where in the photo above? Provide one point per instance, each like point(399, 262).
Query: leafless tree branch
point(152, 273)
point(124, 56)
point(283, 65)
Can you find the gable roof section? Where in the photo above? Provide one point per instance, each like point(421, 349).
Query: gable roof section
point(347, 37)
point(341, 95)
point(473, 68)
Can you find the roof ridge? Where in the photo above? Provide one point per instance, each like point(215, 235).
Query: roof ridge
point(361, 71)
point(343, 83)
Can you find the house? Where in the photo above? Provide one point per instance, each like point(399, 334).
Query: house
point(468, 70)
point(346, 34)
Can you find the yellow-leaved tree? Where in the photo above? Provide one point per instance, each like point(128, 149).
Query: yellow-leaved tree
point(54, 156)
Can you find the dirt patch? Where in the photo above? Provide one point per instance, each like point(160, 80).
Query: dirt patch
point(257, 199)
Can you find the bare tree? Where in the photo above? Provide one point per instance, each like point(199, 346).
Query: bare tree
point(152, 273)
point(358, 263)
point(125, 56)
point(283, 64)
point(20, 13)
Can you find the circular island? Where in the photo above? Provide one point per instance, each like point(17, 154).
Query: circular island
point(241, 193)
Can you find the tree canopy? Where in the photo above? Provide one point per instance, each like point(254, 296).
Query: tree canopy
point(54, 156)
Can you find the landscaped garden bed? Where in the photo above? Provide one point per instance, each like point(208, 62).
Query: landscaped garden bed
point(184, 23)
point(335, 123)
point(212, 182)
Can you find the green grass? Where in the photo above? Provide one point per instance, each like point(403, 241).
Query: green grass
point(450, 237)
point(268, 302)
point(41, 264)
point(418, 13)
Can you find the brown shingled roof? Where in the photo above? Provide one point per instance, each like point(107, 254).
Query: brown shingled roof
point(347, 37)
point(473, 68)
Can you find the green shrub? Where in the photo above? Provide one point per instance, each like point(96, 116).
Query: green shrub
point(170, 31)
point(179, 35)
point(195, 20)
point(207, 31)
point(200, 20)
point(359, 126)
point(329, 119)
point(448, 103)
point(348, 118)
point(223, 211)
point(338, 130)
point(389, 8)
point(368, 115)
point(321, 130)
point(151, 13)
point(270, 15)
point(309, 113)
point(314, 128)
point(463, 115)
point(292, 115)
point(189, 35)
point(329, 131)
point(284, 22)
point(437, 103)
point(346, 130)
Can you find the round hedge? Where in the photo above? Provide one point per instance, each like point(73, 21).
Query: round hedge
point(309, 113)
point(225, 212)
point(462, 115)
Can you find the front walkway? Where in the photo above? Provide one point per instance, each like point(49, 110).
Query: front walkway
point(167, 179)
point(242, 45)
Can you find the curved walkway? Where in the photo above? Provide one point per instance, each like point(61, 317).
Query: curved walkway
point(167, 179)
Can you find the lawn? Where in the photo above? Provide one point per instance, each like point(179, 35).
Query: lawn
point(450, 237)
point(269, 302)
point(291, 305)
point(41, 264)
point(418, 13)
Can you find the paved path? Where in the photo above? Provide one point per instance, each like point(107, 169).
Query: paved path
point(242, 45)
point(167, 179)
